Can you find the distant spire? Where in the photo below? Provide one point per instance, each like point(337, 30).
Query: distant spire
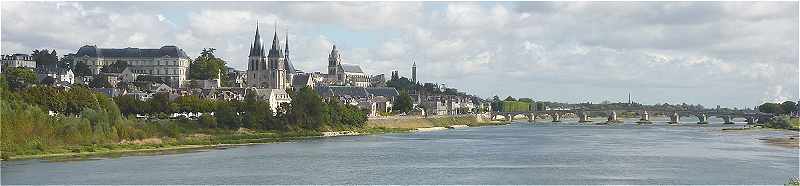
point(257, 49)
point(275, 51)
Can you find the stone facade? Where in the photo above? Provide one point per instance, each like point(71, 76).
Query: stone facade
point(168, 62)
point(18, 60)
point(269, 70)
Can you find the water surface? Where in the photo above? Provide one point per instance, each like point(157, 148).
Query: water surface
point(543, 153)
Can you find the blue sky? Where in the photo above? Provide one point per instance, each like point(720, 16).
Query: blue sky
point(734, 54)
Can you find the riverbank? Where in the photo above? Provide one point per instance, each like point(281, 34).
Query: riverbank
point(190, 142)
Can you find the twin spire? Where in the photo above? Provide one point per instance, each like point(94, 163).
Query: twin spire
point(258, 50)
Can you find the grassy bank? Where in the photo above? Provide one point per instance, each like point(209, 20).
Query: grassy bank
point(194, 141)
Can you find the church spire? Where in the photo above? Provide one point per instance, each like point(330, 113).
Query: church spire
point(275, 51)
point(257, 49)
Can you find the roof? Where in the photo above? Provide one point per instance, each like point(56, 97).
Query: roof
point(275, 51)
point(300, 80)
point(347, 91)
point(383, 91)
point(351, 68)
point(25, 57)
point(93, 51)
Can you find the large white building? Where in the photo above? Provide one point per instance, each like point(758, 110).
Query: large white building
point(169, 63)
point(18, 60)
point(271, 70)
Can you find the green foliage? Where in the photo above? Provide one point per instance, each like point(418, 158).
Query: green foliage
point(48, 97)
point(527, 100)
point(256, 113)
point(402, 103)
point(306, 109)
point(19, 77)
point(774, 108)
point(784, 122)
point(45, 57)
point(788, 107)
point(226, 114)
point(515, 106)
point(160, 104)
point(100, 82)
point(81, 69)
point(129, 105)
point(402, 84)
point(207, 66)
point(207, 121)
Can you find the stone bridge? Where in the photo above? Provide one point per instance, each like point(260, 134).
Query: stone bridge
point(584, 115)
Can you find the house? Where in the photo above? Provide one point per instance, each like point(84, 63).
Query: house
point(59, 75)
point(275, 97)
point(302, 80)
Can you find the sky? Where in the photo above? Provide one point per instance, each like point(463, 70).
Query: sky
point(733, 54)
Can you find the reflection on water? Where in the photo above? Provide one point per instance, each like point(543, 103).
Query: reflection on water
point(543, 153)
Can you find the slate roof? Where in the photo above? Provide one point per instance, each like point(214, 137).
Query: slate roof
point(352, 68)
point(300, 80)
point(383, 91)
point(93, 51)
point(342, 91)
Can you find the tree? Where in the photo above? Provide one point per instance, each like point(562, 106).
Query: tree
point(48, 97)
point(226, 115)
point(81, 69)
point(129, 105)
point(528, 100)
point(256, 113)
point(160, 104)
point(19, 78)
point(788, 107)
point(45, 58)
point(773, 108)
point(80, 98)
point(306, 109)
point(402, 103)
point(207, 66)
point(100, 82)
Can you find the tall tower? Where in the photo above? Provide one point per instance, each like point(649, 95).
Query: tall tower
point(414, 72)
point(277, 64)
point(334, 61)
point(257, 63)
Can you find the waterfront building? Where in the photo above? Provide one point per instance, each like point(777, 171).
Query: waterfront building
point(17, 60)
point(373, 99)
point(168, 63)
point(270, 69)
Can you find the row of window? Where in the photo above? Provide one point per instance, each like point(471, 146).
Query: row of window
point(159, 71)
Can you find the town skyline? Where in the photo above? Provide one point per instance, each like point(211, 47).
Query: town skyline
point(726, 71)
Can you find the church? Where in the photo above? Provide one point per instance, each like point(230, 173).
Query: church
point(345, 74)
point(271, 69)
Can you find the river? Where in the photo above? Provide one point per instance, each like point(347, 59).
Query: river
point(521, 153)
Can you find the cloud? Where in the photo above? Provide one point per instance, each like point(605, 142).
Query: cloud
point(726, 53)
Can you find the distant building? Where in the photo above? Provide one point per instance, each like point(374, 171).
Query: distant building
point(345, 74)
point(168, 63)
point(414, 73)
point(18, 60)
point(271, 70)
point(61, 76)
point(275, 97)
point(373, 99)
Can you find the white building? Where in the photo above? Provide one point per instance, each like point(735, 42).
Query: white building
point(275, 97)
point(168, 62)
point(18, 60)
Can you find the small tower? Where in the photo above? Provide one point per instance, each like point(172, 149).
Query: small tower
point(277, 64)
point(414, 72)
point(257, 62)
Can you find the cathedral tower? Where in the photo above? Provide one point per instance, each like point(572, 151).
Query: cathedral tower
point(334, 62)
point(257, 63)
